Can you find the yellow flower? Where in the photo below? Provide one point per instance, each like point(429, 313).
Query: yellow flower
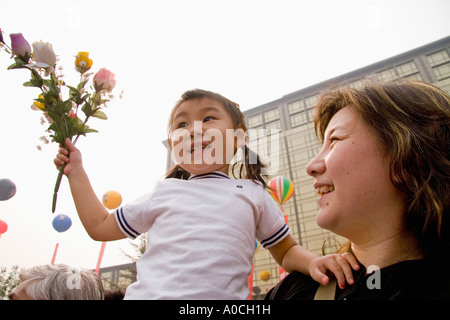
point(38, 104)
point(82, 62)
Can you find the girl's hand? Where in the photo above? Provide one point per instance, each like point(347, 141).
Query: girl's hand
point(340, 265)
point(71, 158)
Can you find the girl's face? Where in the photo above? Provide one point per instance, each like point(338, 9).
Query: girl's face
point(199, 136)
point(352, 177)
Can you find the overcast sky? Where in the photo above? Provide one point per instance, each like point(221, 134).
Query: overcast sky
point(251, 51)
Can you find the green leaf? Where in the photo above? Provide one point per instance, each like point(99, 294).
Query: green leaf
point(62, 107)
point(19, 63)
point(52, 87)
point(34, 83)
point(87, 109)
point(84, 98)
point(35, 75)
point(82, 84)
point(58, 137)
point(100, 115)
point(13, 66)
point(72, 88)
point(74, 94)
point(50, 101)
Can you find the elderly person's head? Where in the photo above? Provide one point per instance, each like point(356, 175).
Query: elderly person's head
point(383, 173)
point(58, 282)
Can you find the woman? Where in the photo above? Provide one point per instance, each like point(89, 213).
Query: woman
point(383, 177)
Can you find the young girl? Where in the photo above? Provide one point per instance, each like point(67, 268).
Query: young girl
point(201, 224)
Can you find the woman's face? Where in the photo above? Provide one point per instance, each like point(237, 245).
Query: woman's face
point(357, 197)
point(199, 136)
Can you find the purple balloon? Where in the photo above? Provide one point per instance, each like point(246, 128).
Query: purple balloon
point(61, 223)
point(7, 189)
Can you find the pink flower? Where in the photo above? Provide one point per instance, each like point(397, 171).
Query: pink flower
point(20, 46)
point(104, 80)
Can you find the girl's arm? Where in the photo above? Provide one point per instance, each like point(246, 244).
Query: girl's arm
point(292, 257)
point(99, 224)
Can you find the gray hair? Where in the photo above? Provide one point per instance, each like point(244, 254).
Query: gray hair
point(61, 282)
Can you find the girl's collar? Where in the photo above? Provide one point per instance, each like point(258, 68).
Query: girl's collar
point(214, 174)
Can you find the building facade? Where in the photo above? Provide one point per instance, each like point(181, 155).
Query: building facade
point(291, 116)
point(118, 277)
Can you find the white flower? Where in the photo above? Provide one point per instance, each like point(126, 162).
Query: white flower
point(44, 56)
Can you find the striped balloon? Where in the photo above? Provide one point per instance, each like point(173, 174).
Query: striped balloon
point(281, 189)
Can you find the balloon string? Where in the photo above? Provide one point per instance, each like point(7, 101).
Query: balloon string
point(54, 253)
point(100, 257)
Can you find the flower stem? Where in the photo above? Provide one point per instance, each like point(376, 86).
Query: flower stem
point(58, 182)
point(61, 173)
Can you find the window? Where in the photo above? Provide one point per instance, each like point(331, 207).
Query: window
point(310, 102)
point(442, 71)
point(271, 115)
point(297, 113)
point(255, 121)
point(311, 113)
point(438, 58)
point(273, 125)
point(298, 119)
point(387, 75)
point(440, 63)
point(295, 106)
point(356, 84)
point(407, 69)
point(444, 85)
point(414, 77)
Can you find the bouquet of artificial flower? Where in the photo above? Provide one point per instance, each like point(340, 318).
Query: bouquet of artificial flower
point(61, 115)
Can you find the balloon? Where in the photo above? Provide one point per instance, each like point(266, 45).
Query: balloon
point(3, 227)
point(281, 189)
point(61, 223)
point(257, 246)
point(7, 189)
point(265, 275)
point(111, 199)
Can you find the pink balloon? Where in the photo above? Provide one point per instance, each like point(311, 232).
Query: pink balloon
point(3, 226)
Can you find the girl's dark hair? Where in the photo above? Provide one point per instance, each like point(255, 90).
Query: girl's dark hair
point(248, 169)
point(411, 119)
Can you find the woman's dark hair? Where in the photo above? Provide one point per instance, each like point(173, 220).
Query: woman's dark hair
point(247, 170)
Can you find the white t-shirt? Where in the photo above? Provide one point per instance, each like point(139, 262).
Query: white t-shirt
point(201, 236)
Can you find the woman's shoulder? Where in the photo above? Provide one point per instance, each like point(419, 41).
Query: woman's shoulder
point(404, 280)
point(422, 279)
point(296, 286)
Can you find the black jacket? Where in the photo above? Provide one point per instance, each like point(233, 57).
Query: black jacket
point(411, 279)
